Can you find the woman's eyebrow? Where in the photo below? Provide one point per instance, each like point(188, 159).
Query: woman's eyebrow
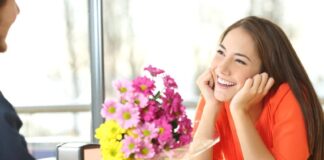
point(222, 46)
point(242, 55)
point(238, 54)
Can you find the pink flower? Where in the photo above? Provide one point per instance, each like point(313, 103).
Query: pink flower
point(146, 150)
point(184, 139)
point(109, 109)
point(153, 70)
point(139, 100)
point(152, 119)
point(149, 113)
point(169, 82)
point(165, 130)
point(123, 99)
point(130, 145)
point(128, 116)
point(172, 104)
point(185, 125)
point(176, 108)
point(185, 130)
point(122, 86)
point(143, 85)
point(148, 131)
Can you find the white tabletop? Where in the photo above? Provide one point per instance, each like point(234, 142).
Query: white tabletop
point(49, 158)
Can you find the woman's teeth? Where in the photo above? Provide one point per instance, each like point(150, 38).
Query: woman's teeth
point(224, 82)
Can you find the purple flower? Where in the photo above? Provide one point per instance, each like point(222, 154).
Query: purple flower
point(144, 85)
point(169, 82)
point(153, 70)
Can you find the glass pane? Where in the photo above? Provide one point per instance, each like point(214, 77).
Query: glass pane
point(47, 62)
point(46, 72)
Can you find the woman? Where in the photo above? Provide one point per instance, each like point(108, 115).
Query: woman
point(12, 144)
point(258, 97)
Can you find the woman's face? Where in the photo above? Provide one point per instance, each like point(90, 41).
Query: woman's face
point(235, 61)
point(8, 13)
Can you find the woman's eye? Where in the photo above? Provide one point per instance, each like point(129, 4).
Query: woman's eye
point(220, 52)
point(240, 61)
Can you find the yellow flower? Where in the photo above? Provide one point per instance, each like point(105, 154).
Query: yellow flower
point(110, 130)
point(112, 150)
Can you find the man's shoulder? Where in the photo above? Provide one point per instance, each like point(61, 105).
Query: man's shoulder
point(5, 105)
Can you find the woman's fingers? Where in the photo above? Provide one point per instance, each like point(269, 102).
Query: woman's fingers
point(213, 77)
point(203, 78)
point(248, 84)
point(264, 79)
point(206, 81)
point(259, 84)
point(268, 86)
point(256, 83)
point(253, 91)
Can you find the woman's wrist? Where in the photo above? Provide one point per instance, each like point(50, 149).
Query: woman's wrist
point(238, 111)
point(211, 109)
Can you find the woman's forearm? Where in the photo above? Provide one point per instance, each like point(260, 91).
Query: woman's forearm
point(205, 131)
point(251, 143)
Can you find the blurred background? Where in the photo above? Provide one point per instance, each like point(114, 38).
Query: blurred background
point(46, 72)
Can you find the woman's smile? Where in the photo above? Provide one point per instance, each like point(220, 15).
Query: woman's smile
point(224, 83)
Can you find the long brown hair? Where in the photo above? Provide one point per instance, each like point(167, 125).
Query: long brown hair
point(281, 62)
point(2, 2)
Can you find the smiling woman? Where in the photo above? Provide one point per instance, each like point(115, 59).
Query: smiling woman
point(235, 61)
point(258, 98)
point(46, 68)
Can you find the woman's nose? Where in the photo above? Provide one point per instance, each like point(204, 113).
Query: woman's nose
point(224, 67)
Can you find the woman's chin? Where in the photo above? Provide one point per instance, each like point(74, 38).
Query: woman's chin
point(222, 97)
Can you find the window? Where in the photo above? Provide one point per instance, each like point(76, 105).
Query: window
point(47, 66)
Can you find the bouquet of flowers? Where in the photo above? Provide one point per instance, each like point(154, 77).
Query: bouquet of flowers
point(143, 121)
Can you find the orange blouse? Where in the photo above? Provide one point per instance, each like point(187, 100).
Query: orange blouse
point(280, 125)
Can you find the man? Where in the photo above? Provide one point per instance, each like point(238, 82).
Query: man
point(12, 144)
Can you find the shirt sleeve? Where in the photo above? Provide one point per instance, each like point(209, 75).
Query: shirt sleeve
point(289, 131)
point(198, 113)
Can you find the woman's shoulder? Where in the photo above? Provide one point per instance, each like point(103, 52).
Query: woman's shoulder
point(281, 93)
point(283, 99)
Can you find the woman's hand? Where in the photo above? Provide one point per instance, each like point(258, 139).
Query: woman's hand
point(206, 130)
point(206, 83)
point(252, 92)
